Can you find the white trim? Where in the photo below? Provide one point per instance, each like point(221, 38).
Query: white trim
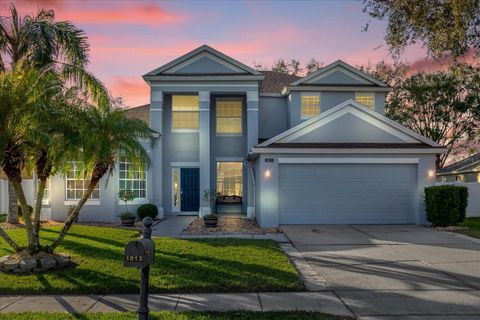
point(353, 104)
point(89, 202)
point(203, 96)
point(215, 78)
point(339, 69)
point(185, 164)
point(253, 109)
point(321, 87)
point(161, 110)
point(203, 48)
point(271, 95)
point(229, 159)
point(349, 160)
point(349, 150)
point(338, 63)
point(199, 56)
point(202, 85)
point(185, 130)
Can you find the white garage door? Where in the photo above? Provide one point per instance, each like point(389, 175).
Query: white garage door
point(347, 193)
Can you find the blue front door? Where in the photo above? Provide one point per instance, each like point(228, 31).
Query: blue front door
point(190, 189)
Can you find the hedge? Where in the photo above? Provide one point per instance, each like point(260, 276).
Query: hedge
point(147, 210)
point(446, 205)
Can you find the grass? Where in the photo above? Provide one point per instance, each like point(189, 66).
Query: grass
point(181, 265)
point(170, 315)
point(473, 225)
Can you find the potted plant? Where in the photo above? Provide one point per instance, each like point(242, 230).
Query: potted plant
point(127, 218)
point(210, 221)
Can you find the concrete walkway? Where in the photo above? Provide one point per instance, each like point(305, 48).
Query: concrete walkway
point(172, 226)
point(325, 302)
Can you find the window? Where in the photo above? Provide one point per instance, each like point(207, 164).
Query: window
point(76, 186)
point(176, 189)
point(366, 98)
point(230, 178)
point(185, 113)
point(229, 117)
point(310, 105)
point(132, 176)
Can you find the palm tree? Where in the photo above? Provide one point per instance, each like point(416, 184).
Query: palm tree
point(103, 133)
point(41, 42)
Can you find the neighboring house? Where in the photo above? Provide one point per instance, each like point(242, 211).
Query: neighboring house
point(292, 150)
point(466, 170)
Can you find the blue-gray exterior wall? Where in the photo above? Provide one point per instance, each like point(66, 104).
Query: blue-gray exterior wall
point(272, 115)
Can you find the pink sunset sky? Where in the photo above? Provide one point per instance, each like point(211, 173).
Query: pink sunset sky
point(129, 38)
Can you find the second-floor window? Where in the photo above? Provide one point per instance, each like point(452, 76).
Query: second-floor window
point(77, 185)
point(310, 105)
point(229, 117)
point(184, 113)
point(366, 98)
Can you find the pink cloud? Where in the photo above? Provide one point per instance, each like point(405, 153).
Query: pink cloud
point(80, 12)
point(133, 89)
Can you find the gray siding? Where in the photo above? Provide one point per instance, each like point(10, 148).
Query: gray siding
point(336, 78)
point(272, 116)
point(348, 129)
point(204, 65)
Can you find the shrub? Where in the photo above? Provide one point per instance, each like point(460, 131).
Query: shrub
point(445, 204)
point(463, 192)
point(147, 210)
point(20, 213)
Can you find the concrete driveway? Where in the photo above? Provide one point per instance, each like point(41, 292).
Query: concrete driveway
point(395, 272)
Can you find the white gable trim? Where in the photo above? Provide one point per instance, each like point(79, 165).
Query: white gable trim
point(339, 69)
point(339, 63)
point(349, 160)
point(195, 52)
point(344, 111)
point(388, 125)
point(199, 56)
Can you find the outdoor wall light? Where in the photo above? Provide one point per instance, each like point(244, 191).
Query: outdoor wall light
point(431, 173)
point(268, 173)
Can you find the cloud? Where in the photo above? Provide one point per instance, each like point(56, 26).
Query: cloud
point(133, 89)
point(127, 13)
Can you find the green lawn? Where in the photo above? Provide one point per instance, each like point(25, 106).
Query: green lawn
point(210, 265)
point(473, 225)
point(170, 315)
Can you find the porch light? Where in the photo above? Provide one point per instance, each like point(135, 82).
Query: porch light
point(268, 173)
point(431, 173)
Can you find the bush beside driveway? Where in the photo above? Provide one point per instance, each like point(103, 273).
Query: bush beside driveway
point(181, 265)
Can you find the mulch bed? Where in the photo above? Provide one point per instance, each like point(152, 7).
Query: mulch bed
point(228, 225)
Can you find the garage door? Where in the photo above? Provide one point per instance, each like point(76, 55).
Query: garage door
point(347, 193)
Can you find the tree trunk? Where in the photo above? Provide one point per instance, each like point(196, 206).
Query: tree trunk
point(37, 210)
point(17, 185)
point(12, 216)
point(73, 216)
point(10, 241)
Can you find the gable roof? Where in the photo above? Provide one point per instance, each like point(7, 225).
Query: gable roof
point(274, 81)
point(351, 106)
point(242, 68)
point(339, 64)
point(463, 165)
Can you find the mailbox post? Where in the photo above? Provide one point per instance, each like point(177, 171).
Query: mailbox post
point(140, 254)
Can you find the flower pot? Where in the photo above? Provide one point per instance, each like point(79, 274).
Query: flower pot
point(128, 222)
point(210, 222)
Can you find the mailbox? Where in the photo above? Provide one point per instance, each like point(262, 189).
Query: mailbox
point(139, 254)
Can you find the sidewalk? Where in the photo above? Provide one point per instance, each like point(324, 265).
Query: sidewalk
point(324, 301)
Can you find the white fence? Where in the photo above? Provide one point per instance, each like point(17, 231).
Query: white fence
point(473, 208)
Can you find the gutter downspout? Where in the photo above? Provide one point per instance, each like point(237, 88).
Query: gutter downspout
point(254, 190)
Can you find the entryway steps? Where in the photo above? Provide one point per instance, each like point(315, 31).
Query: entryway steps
point(263, 301)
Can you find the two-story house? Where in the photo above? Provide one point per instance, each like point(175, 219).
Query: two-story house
point(316, 149)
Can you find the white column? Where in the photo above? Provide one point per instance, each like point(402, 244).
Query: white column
point(156, 123)
point(252, 140)
point(204, 146)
